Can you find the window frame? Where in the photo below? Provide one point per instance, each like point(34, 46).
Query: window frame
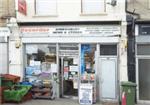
point(51, 15)
point(100, 13)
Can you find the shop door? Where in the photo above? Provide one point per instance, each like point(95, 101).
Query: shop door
point(108, 78)
point(144, 79)
point(69, 77)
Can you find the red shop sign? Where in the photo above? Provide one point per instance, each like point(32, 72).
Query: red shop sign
point(22, 7)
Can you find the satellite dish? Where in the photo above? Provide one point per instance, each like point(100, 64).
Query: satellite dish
point(113, 2)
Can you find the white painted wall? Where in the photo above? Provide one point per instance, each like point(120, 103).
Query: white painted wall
point(123, 53)
point(70, 10)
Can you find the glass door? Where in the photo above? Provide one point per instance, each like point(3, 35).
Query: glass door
point(144, 79)
point(69, 70)
point(69, 77)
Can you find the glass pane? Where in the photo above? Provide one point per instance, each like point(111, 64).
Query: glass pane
point(40, 58)
point(46, 7)
point(144, 79)
point(108, 49)
point(143, 49)
point(93, 6)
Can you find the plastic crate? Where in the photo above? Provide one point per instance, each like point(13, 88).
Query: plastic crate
point(7, 83)
point(17, 94)
point(13, 78)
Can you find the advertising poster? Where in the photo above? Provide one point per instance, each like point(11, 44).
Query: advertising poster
point(84, 48)
point(85, 94)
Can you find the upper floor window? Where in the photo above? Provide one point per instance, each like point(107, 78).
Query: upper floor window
point(93, 6)
point(45, 7)
point(144, 29)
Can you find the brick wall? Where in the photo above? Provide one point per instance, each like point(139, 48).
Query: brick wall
point(7, 9)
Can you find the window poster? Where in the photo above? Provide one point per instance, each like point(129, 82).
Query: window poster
point(75, 83)
point(65, 63)
point(31, 63)
point(73, 68)
point(84, 49)
point(66, 75)
point(30, 49)
point(54, 68)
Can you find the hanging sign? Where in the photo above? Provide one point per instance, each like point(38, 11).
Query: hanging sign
point(22, 7)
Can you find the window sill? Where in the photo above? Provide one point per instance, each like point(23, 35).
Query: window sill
point(98, 14)
point(45, 16)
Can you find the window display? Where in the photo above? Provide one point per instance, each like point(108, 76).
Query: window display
point(40, 68)
point(88, 67)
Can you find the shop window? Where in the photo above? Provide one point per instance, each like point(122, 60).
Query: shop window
point(107, 50)
point(87, 73)
point(92, 6)
point(45, 7)
point(40, 58)
point(143, 49)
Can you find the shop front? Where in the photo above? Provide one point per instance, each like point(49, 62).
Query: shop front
point(72, 59)
point(143, 62)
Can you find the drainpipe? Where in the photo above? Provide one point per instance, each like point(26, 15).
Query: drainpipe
point(133, 20)
point(134, 16)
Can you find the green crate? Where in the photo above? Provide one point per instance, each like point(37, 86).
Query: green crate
point(7, 83)
point(16, 95)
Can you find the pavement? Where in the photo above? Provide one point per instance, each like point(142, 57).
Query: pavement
point(53, 102)
point(57, 102)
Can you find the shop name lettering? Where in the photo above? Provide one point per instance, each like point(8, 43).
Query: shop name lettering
point(29, 30)
point(72, 30)
point(67, 31)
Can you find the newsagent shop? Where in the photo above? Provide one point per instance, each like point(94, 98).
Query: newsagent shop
point(74, 61)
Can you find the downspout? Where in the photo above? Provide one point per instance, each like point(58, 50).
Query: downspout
point(134, 16)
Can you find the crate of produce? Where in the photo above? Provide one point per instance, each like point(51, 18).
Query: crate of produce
point(7, 83)
point(16, 93)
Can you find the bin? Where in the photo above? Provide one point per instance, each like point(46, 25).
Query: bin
point(129, 88)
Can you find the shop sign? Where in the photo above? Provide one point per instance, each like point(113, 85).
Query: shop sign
point(72, 30)
point(85, 94)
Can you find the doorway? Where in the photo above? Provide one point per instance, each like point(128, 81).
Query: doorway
point(108, 71)
point(144, 79)
point(68, 77)
point(108, 78)
point(143, 73)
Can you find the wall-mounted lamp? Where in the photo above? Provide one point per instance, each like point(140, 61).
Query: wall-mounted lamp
point(113, 2)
